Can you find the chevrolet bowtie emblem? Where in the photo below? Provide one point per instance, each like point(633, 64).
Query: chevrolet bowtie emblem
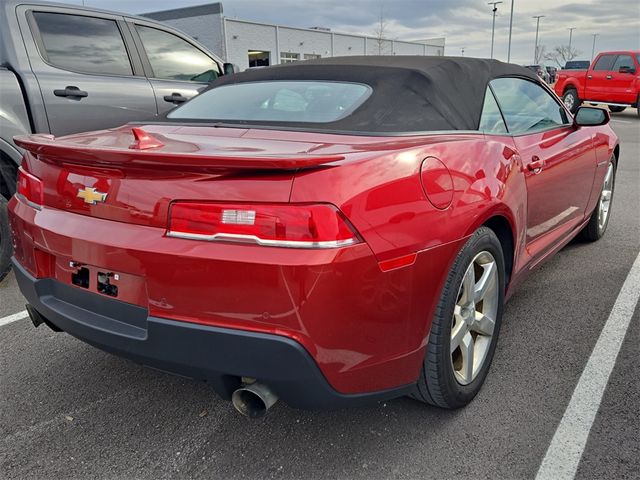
point(91, 196)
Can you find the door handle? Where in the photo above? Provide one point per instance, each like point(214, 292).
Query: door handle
point(589, 77)
point(536, 164)
point(608, 77)
point(73, 92)
point(175, 98)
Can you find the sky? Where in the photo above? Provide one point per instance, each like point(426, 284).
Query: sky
point(464, 23)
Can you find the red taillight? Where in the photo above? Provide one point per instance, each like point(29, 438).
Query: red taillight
point(294, 226)
point(30, 187)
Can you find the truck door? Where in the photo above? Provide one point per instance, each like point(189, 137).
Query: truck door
point(623, 79)
point(598, 80)
point(88, 78)
point(177, 69)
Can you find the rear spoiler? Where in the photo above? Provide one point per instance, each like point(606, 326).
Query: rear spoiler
point(50, 150)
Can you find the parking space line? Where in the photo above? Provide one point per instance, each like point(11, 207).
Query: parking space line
point(565, 451)
point(13, 318)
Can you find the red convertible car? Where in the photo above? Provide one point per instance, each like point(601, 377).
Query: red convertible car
point(331, 233)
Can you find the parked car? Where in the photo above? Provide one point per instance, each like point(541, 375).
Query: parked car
point(66, 69)
point(552, 73)
point(613, 79)
point(540, 70)
point(577, 65)
point(329, 232)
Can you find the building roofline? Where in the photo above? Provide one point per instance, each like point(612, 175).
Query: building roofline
point(186, 12)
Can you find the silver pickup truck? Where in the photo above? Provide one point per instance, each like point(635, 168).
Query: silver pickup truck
point(66, 69)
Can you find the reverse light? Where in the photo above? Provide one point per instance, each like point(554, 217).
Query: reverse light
point(276, 225)
point(30, 188)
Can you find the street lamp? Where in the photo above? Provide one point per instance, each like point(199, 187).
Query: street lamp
point(493, 28)
point(593, 49)
point(571, 29)
point(510, 30)
point(462, 50)
point(535, 50)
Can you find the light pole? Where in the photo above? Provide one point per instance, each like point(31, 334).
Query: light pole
point(493, 28)
point(571, 29)
point(510, 29)
point(535, 50)
point(593, 49)
point(462, 50)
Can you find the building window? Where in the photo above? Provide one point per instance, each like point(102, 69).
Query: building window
point(287, 57)
point(311, 56)
point(259, 58)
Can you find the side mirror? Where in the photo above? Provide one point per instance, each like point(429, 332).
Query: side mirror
point(627, 69)
point(230, 68)
point(591, 117)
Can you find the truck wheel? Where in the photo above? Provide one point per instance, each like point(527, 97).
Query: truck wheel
point(465, 326)
point(616, 109)
point(571, 100)
point(5, 240)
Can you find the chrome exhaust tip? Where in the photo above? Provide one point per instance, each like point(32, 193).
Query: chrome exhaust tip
point(253, 400)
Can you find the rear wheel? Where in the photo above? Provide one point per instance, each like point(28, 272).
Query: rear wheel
point(5, 240)
point(465, 327)
point(599, 220)
point(616, 109)
point(571, 100)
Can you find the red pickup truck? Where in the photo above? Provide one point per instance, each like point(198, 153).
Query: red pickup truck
point(612, 79)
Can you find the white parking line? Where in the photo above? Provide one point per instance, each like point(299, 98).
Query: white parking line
point(620, 121)
point(563, 456)
point(13, 318)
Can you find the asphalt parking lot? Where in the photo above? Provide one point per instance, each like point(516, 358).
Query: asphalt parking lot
point(68, 410)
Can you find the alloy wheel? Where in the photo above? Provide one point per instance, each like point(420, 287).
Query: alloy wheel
point(474, 317)
point(604, 204)
point(569, 101)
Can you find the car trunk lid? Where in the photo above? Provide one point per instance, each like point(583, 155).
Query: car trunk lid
point(132, 174)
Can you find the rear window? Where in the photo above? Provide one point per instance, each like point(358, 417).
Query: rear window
point(577, 65)
point(276, 101)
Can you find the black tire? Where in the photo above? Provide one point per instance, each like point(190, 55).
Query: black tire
point(6, 247)
point(437, 384)
point(616, 109)
point(593, 231)
point(571, 100)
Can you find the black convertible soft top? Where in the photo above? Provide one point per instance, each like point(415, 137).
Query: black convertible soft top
point(410, 93)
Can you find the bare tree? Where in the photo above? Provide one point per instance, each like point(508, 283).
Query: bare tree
point(541, 52)
point(380, 32)
point(562, 54)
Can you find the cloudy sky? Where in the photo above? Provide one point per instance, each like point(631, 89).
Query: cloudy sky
point(465, 23)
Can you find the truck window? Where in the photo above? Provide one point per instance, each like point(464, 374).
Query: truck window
point(623, 61)
point(172, 58)
point(605, 62)
point(83, 44)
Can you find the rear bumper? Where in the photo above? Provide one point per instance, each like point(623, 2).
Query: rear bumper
point(218, 355)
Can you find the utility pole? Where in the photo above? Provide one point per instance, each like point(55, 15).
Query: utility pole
point(510, 30)
point(593, 49)
point(535, 50)
point(571, 29)
point(462, 50)
point(493, 28)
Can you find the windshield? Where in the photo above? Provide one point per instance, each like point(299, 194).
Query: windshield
point(276, 101)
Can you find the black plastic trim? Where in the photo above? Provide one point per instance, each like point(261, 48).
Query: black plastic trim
point(220, 356)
